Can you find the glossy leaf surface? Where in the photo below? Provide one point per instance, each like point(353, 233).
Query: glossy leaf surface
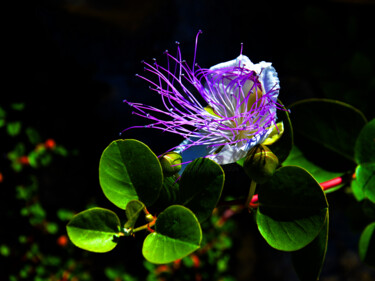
point(133, 210)
point(200, 187)
point(129, 170)
point(292, 209)
point(308, 261)
point(365, 180)
point(367, 245)
point(94, 230)
point(177, 234)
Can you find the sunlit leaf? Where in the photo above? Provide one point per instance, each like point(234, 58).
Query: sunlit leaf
point(367, 245)
point(365, 180)
point(94, 230)
point(177, 234)
point(133, 210)
point(292, 209)
point(129, 170)
point(308, 261)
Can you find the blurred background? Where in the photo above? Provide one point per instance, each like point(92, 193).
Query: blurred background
point(86, 55)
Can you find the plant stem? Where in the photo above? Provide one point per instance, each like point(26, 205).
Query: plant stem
point(146, 226)
point(253, 185)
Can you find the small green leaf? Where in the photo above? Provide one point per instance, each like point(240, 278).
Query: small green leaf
point(365, 144)
point(296, 158)
point(200, 187)
point(133, 209)
point(18, 106)
point(94, 230)
point(14, 128)
point(292, 209)
point(308, 261)
point(129, 170)
point(326, 131)
point(365, 180)
point(177, 234)
point(367, 245)
point(2, 113)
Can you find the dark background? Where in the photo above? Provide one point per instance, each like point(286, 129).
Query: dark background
point(88, 52)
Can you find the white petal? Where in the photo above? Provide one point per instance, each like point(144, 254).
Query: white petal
point(269, 80)
point(241, 60)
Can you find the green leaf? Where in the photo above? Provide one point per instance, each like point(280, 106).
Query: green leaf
point(365, 144)
point(129, 170)
point(283, 146)
point(308, 261)
point(133, 209)
point(177, 234)
point(357, 190)
point(367, 245)
point(200, 187)
point(168, 194)
point(326, 131)
point(94, 230)
point(14, 128)
point(292, 209)
point(365, 180)
point(296, 158)
point(18, 106)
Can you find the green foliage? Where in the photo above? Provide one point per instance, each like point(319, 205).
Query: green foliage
point(95, 230)
point(297, 158)
point(364, 183)
point(308, 261)
point(200, 187)
point(133, 209)
point(331, 137)
point(121, 173)
point(292, 209)
point(367, 245)
point(177, 234)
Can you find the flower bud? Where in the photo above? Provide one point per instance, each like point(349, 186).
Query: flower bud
point(170, 163)
point(149, 217)
point(260, 163)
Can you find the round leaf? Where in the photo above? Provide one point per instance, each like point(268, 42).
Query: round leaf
point(365, 181)
point(133, 209)
point(200, 187)
point(129, 170)
point(94, 230)
point(292, 209)
point(365, 144)
point(308, 261)
point(177, 234)
point(326, 131)
point(367, 245)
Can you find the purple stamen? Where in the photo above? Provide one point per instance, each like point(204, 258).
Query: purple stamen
point(227, 90)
